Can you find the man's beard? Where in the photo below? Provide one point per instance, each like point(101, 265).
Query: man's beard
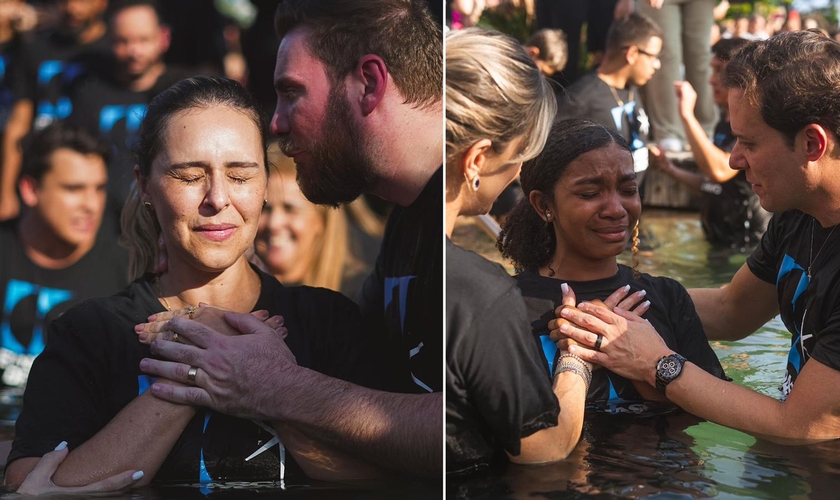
point(341, 168)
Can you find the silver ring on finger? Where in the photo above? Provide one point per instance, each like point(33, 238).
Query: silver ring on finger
point(176, 338)
point(191, 375)
point(598, 340)
point(191, 312)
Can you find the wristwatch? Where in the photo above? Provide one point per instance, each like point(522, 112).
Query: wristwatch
point(668, 368)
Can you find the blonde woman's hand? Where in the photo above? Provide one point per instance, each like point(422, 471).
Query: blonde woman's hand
point(157, 327)
point(39, 481)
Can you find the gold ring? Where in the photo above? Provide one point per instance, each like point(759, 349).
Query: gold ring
point(191, 374)
point(176, 338)
point(190, 311)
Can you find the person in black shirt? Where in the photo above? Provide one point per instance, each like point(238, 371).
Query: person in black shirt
point(201, 184)
point(48, 64)
point(784, 107)
point(730, 212)
point(499, 397)
point(359, 113)
point(111, 98)
point(581, 209)
point(609, 95)
point(57, 253)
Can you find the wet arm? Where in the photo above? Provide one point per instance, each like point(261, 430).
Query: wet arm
point(140, 437)
point(712, 161)
point(555, 443)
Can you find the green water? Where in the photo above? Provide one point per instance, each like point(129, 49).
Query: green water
point(674, 455)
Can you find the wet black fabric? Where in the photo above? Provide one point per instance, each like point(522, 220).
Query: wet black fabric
point(498, 390)
point(809, 307)
point(90, 372)
point(671, 313)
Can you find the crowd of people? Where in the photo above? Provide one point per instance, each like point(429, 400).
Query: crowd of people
point(264, 319)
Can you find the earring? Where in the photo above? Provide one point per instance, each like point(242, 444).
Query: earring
point(547, 216)
point(474, 184)
point(148, 206)
point(265, 202)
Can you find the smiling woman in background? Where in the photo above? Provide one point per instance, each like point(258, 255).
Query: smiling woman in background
point(302, 243)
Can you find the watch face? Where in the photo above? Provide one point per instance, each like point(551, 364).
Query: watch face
point(670, 368)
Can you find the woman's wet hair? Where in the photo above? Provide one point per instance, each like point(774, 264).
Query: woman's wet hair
point(140, 229)
point(494, 90)
point(526, 239)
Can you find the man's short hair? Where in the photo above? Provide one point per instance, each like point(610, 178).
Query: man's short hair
point(633, 29)
point(121, 5)
point(725, 48)
point(39, 146)
point(793, 79)
point(553, 47)
point(401, 32)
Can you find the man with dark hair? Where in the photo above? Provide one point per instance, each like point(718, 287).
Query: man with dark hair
point(359, 108)
point(48, 63)
point(54, 255)
point(609, 95)
point(730, 211)
point(110, 101)
point(784, 107)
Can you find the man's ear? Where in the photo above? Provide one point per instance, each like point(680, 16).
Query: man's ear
point(535, 197)
point(28, 188)
point(631, 55)
point(815, 139)
point(472, 163)
point(533, 52)
point(373, 74)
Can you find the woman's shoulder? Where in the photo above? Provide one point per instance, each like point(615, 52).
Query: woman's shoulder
point(133, 304)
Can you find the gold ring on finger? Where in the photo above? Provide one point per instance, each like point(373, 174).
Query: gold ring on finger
point(191, 375)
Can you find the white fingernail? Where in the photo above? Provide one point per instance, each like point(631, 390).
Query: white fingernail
point(646, 303)
point(61, 446)
point(564, 287)
point(626, 288)
point(642, 292)
point(137, 475)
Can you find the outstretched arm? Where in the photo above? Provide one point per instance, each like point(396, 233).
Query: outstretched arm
point(631, 348)
point(255, 376)
point(738, 309)
point(712, 161)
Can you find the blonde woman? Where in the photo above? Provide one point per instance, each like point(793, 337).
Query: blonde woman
point(500, 398)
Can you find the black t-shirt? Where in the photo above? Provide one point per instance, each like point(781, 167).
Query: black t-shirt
point(403, 297)
point(498, 390)
point(109, 109)
point(671, 313)
point(592, 99)
point(731, 212)
point(48, 66)
point(9, 57)
point(809, 308)
point(90, 371)
point(32, 296)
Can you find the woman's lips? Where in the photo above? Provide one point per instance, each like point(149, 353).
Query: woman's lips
point(216, 232)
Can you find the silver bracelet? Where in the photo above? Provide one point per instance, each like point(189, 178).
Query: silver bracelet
point(575, 364)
